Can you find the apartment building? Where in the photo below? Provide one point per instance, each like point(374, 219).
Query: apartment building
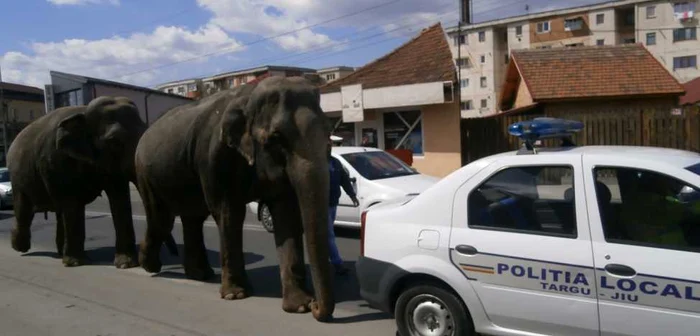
point(334, 73)
point(668, 28)
point(236, 78)
point(190, 88)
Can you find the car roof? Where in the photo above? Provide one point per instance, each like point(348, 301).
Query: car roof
point(352, 149)
point(682, 158)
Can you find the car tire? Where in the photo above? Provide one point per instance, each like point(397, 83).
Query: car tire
point(266, 218)
point(422, 307)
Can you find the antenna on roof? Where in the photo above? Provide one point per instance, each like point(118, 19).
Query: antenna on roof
point(531, 131)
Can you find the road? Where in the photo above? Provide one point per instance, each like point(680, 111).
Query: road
point(38, 296)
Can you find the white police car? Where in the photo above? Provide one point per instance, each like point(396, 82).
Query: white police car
point(591, 240)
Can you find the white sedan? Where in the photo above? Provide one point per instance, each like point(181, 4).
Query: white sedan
point(376, 175)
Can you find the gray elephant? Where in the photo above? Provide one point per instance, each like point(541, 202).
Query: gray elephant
point(64, 160)
point(264, 141)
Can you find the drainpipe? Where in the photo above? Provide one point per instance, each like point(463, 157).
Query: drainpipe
point(145, 106)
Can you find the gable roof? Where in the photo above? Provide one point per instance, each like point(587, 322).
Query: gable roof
point(580, 73)
point(424, 59)
point(21, 88)
point(692, 92)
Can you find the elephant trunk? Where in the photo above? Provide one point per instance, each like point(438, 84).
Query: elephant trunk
point(311, 182)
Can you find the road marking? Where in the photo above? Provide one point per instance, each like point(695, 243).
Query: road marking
point(208, 223)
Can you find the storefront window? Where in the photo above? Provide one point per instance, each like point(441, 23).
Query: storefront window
point(404, 130)
point(343, 130)
point(70, 98)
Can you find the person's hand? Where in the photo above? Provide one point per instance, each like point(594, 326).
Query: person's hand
point(355, 202)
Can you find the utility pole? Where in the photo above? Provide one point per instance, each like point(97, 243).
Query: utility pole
point(4, 121)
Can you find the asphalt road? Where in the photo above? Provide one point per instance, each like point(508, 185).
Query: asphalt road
point(38, 296)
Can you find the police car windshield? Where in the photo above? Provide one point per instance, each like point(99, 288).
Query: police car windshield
point(378, 165)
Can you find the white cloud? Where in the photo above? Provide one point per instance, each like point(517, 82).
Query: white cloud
point(114, 57)
point(83, 2)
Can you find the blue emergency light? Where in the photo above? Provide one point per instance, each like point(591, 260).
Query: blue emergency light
point(545, 128)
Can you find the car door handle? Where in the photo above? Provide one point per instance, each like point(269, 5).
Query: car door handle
point(466, 249)
point(620, 270)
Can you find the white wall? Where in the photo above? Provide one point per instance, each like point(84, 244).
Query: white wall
point(157, 104)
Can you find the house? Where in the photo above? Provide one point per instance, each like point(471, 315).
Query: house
point(71, 90)
point(404, 100)
point(334, 73)
point(667, 28)
point(22, 105)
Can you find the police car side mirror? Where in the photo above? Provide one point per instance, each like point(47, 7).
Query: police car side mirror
point(353, 180)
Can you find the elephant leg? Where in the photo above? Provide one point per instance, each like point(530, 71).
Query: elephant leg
point(290, 253)
point(195, 259)
point(159, 223)
point(60, 237)
point(24, 214)
point(119, 197)
point(74, 231)
point(234, 281)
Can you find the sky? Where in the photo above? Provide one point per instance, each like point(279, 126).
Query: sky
point(149, 42)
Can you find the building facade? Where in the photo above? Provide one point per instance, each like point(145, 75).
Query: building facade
point(190, 88)
point(20, 106)
point(233, 79)
point(667, 28)
point(334, 73)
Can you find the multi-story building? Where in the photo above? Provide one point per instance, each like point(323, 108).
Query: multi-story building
point(668, 29)
point(241, 77)
point(334, 73)
point(191, 88)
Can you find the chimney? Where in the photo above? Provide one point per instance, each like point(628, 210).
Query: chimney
point(465, 11)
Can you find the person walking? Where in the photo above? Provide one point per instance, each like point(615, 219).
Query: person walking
point(338, 178)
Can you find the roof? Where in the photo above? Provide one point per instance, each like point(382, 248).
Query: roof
point(545, 14)
point(426, 58)
point(21, 88)
point(336, 68)
point(592, 72)
point(86, 79)
point(176, 82)
point(257, 69)
point(692, 92)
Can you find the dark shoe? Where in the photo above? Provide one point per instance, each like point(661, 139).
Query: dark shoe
point(340, 269)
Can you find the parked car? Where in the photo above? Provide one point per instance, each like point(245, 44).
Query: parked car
point(376, 175)
point(5, 188)
point(591, 240)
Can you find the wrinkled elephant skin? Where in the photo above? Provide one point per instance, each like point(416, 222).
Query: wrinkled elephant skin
point(264, 141)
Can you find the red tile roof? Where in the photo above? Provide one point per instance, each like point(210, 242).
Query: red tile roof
point(692, 92)
point(593, 71)
point(424, 59)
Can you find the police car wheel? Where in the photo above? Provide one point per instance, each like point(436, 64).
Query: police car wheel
point(266, 218)
point(427, 310)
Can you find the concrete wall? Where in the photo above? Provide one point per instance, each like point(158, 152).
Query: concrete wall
point(157, 104)
point(441, 140)
point(604, 31)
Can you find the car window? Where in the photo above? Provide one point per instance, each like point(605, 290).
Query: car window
point(532, 199)
point(646, 208)
point(377, 165)
point(4, 176)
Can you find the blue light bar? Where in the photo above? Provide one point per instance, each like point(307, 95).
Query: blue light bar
point(544, 128)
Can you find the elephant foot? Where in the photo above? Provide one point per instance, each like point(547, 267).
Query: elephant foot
point(199, 273)
point(297, 301)
point(150, 262)
point(123, 260)
point(69, 261)
point(233, 292)
point(21, 241)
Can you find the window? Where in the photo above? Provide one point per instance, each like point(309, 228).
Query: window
point(600, 19)
point(518, 30)
point(170, 90)
point(641, 207)
point(330, 76)
point(684, 34)
point(482, 36)
point(683, 7)
point(570, 45)
point(404, 130)
point(378, 165)
point(629, 18)
point(600, 42)
point(684, 62)
point(543, 27)
point(343, 130)
point(483, 82)
point(573, 24)
point(464, 83)
point(483, 59)
point(651, 38)
point(532, 199)
point(466, 105)
point(459, 40)
point(651, 12)
point(484, 103)
point(180, 89)
point(69, 98)
point(464, 62)
point(629, 40)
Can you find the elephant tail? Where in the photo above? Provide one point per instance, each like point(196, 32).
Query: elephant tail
point(171, 245)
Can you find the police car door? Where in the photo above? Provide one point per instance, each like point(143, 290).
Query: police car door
point(520, 236)
point(647, 255)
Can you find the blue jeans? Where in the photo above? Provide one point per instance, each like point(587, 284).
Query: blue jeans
point(332, 248)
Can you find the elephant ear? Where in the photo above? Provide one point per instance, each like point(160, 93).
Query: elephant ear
point(234, 131)
point(72, 137)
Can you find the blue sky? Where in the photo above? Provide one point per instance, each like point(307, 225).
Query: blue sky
point(150, 42)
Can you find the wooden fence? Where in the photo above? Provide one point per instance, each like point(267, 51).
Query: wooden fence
point(653, 127)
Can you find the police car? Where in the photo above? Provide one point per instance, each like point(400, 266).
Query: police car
point(565, 240)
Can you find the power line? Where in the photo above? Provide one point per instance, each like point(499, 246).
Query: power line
point(263, 39)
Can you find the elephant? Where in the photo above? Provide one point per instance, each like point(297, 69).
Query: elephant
point(63, 161)
point(261, 141)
